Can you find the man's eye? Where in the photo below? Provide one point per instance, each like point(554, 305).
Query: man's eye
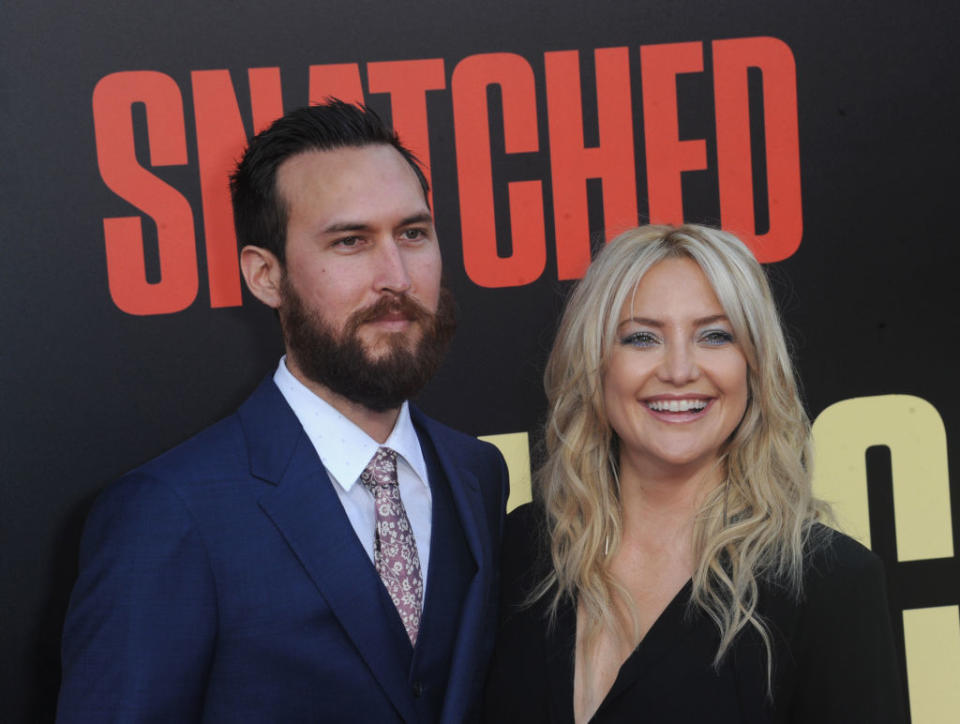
point(717, 337)
point(347, 242)
point(640, 339)
point(413, 234)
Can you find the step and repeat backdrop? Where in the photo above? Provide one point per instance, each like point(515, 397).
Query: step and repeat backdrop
point(823, 133)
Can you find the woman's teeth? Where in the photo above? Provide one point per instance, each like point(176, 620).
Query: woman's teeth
point(677, 405)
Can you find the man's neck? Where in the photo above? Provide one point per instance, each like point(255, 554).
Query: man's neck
point(377, 424)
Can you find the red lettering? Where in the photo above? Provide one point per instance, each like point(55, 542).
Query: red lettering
point(221, 139)
point(731, 59)
point(471, 78)
point(407, 82)
point(612, 161)
point(667, 155)
point(113, 97)
point(488, 261)
point(338, 80)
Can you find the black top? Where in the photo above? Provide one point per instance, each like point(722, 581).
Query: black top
point(833, 660)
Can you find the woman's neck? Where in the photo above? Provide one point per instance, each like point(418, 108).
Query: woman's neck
point(658, 507)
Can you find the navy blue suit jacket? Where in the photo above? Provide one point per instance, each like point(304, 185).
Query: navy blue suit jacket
point(223, 582)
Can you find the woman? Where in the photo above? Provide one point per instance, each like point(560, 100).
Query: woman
point(672, 567)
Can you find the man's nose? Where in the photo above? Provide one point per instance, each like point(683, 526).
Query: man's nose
point(392, 272)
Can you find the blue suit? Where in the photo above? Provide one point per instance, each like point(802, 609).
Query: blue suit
point(222, 582)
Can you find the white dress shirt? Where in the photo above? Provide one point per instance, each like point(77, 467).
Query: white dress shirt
point(345, 450)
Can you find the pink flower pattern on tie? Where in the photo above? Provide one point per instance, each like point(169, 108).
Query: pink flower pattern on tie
point(395, 551)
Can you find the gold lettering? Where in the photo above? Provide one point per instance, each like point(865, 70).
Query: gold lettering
point(913, 430)
point(515, 447)
point(933, 663)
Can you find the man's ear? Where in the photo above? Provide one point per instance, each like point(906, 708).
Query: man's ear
point(262, 271)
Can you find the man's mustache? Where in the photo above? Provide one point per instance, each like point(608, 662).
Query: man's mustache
point(390, 304)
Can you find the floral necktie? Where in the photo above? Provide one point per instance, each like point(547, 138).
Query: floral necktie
point(395, 551)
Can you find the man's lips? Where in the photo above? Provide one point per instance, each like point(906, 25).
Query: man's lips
point(394, 316)
point(392, 322)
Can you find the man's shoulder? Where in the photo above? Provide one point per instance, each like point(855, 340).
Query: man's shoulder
point(215, 450)
point(447, 438)
point(222, 450)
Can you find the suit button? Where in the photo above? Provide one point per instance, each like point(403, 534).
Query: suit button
point(417, 689)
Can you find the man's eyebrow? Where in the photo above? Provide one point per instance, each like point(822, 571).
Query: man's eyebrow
point(424, 217)
point(347, 226)
point(421, 218)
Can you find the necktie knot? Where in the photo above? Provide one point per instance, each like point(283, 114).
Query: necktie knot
point(381, 471)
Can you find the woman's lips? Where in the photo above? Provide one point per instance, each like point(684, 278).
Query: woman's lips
point(678, 409)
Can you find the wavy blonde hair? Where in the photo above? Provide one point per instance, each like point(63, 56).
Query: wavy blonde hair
point(756, 523)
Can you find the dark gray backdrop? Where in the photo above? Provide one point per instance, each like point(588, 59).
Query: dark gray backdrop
point(89, 392)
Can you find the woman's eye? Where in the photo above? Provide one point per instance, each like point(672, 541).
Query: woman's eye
point(640, 339)
point(717, 337)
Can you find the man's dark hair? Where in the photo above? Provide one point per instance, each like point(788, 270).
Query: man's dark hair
point(259, 214)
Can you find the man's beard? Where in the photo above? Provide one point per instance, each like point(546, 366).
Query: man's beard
point(340, 362)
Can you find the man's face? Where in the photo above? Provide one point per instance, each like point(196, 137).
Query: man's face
point(361, 286)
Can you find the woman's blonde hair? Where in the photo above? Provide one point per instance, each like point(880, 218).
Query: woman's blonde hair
point(756, 523)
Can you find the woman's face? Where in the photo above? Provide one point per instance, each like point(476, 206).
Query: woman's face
point(675, 387)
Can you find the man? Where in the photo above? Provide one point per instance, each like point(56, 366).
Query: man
point(327, 553)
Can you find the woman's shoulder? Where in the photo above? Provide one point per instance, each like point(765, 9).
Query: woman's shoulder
point(837, 657)
point(833, 557)
point(525, 529)
point(526, 550)
point(838, 573)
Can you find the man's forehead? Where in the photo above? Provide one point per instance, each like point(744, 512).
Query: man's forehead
point(348, 185)
point(331, 163)
point(338, 168)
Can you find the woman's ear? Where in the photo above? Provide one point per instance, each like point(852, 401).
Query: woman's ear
point(262, 271)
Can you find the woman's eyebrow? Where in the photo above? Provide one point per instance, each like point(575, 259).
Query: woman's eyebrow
point(646, 321)
point(711, 319)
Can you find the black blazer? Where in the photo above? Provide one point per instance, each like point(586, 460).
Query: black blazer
point(834, 657)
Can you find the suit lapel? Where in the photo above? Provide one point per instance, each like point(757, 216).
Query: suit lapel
point(305, 509)
point(464, 487)
point(465, 491)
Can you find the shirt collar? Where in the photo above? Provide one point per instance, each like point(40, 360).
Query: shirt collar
point(344, 448)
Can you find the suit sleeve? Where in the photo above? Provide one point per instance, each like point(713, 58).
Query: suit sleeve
point(847, 669)
point(139, 633)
